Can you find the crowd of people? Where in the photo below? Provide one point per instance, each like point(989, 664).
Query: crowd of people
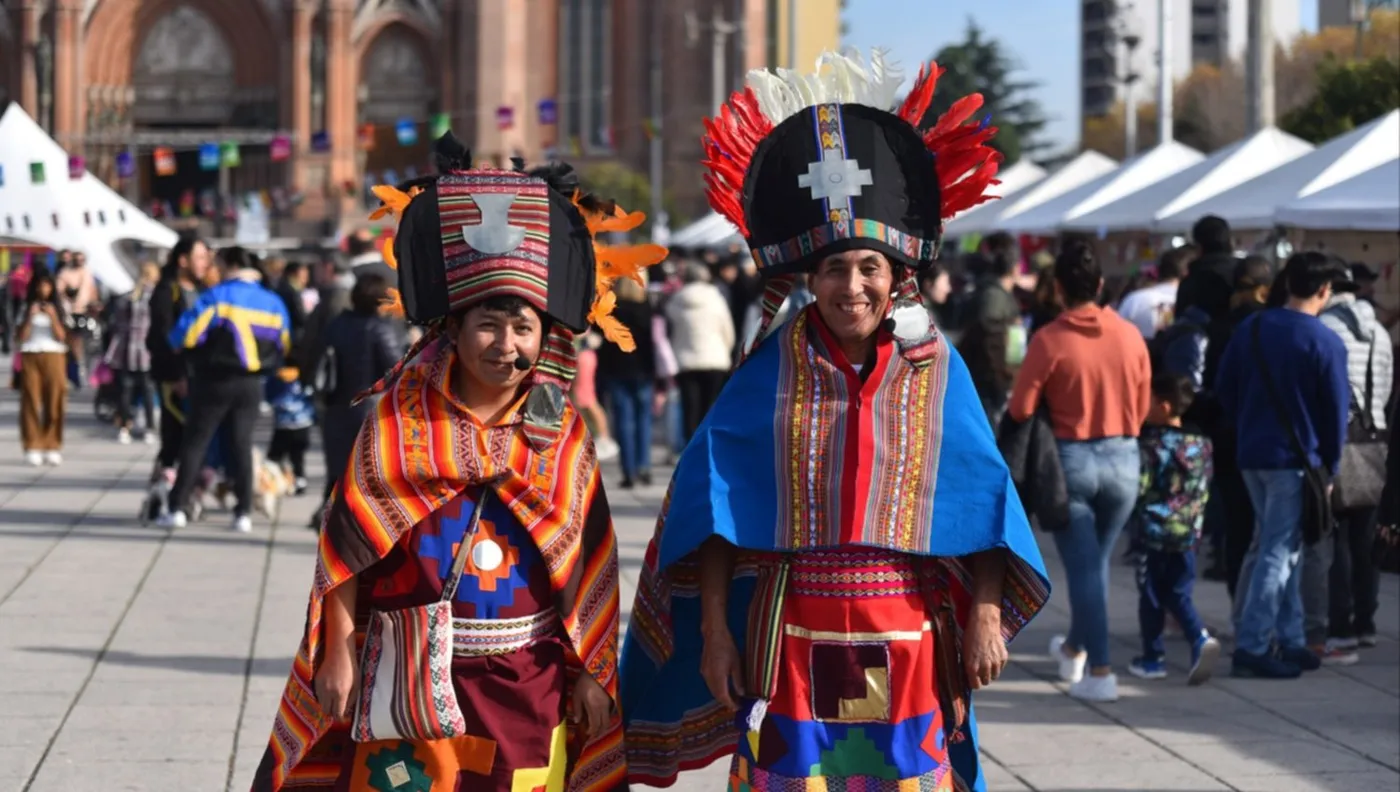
point(1165, 414)
point(845, 548)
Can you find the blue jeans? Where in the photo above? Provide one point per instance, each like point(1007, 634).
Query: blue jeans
point(1165, 582)
point(630, 401)
point(1102, 479)
point(1269, 605)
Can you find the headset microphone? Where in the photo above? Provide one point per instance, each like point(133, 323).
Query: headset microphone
point(523, 363)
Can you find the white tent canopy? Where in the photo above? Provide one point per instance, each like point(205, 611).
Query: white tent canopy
point(81, 214)
point(1253, 204)
point(992, 216)
point(1368, 202)
point(711, 231)
point(1014, 180)
point(1232, 165)
point(1141, 171)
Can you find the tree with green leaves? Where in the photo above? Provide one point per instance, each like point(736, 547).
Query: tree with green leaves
point(630, 188)
point(980, 65)
point(1349, 93)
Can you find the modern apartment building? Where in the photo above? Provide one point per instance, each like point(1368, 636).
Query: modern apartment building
point(1203, 32)
point(1339, 13)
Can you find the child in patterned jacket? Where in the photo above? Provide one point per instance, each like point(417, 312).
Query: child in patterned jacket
point(1176, 473)
point(293, 415)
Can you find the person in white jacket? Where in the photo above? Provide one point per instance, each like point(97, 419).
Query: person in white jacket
point(702, 337)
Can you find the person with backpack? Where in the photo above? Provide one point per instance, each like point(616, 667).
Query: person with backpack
point(1287, 399)
point(1351, 582)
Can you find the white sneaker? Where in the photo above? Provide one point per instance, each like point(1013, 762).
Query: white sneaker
point(124, 436)
point(607, 449)
point(34, 458)
point(1333, 654)
point(175, 519)
point(53, 458)
point(243, 523)
point(1071, 668)
point(1095, 688)
point(149, 437)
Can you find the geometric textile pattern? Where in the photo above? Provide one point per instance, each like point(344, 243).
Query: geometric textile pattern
point(498, 563)
point(550, 778)
point(397, 771)
point(855, 755)
point(850, 682)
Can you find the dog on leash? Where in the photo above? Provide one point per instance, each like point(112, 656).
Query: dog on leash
point(271, 483)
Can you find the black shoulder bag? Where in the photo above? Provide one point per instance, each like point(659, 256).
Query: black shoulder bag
point(1317, 517)
point(1361, 477)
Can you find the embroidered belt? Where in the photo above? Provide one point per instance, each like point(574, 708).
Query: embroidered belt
point(490, 637)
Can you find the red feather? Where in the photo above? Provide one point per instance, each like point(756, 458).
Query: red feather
point(966, 164)
point(729, 142)
point(916, 104)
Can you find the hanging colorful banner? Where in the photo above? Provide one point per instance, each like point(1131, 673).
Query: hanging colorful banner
point(209, 157)
point(4, 261)
point(280, 148)
point(549, 112)
point(440, 125)
point(187, 203)
point(36, 172)
point(407, 131)
point(126, 165)
point(208, 203)
point(229, 155)
point(365, 137)
point(505, 117)
point(321, 142)
point(165, 162)
point(77, 166)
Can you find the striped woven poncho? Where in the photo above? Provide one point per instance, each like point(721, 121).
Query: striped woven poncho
point(412, 456)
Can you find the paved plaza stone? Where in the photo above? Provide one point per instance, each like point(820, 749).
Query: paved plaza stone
point(133, 658)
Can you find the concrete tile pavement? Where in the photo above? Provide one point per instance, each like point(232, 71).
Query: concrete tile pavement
point(137, 659)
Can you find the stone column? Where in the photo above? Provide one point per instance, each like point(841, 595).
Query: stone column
point(302, 15)
point(67, 79)
point(489, 49)
point(306, 175)
point(27, 33)
point(340, 94)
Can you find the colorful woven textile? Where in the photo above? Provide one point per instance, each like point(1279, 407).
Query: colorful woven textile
point(801, 454)
point(418, 451)
point(857, 705)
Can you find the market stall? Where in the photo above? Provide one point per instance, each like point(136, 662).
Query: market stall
point(49, 198)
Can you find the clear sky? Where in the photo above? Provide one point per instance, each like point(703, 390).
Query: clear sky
point(1042, 35)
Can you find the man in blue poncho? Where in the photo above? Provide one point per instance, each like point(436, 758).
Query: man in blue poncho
point(842, 556)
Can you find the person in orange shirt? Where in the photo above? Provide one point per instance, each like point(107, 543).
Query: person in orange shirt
point(1089, 368)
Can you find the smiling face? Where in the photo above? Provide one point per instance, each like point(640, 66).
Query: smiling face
point(490, 337)
point(852, 292)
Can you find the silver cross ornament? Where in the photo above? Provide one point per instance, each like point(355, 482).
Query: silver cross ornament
point(834, 176)
point(494, 235)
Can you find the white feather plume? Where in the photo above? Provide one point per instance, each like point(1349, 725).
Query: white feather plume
point(839, 78)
